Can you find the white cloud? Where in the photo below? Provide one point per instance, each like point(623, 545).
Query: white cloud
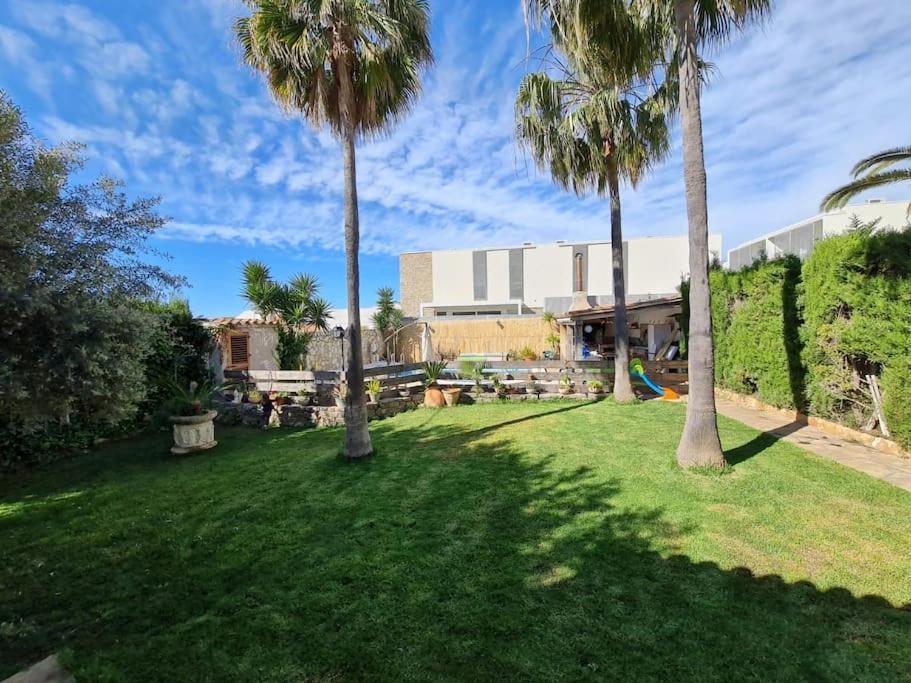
point(794, 105)
point(18, 50)
point(73, 22)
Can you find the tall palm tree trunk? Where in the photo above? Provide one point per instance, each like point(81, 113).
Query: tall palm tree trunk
point(623, 388)
point(357, 437)
point(699, 444)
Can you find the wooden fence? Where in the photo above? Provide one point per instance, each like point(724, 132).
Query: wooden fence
point(410, 377)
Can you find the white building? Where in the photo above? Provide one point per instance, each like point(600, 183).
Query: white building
point(530, 279)
point(798, 239)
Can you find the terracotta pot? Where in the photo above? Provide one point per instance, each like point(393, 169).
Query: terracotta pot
point(451, 396)
point(565, 390)
point(279, 400)
point(433, 397)
point(193, 432)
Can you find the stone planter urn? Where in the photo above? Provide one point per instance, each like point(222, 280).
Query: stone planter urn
point(193, 432)
point(451, 396)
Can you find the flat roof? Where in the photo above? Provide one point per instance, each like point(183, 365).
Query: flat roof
point(599, 311)
point(813, 219)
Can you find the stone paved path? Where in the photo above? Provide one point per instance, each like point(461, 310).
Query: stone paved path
point(889, 468)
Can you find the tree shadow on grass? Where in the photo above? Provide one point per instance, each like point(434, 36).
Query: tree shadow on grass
point(456, 554)
point(762, 441)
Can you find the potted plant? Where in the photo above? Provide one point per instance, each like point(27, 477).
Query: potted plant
point(451, 395)
point(188, 411)
point(474, 371)
point(527, 353)
point(499, 388)
point(254, 396)
point(433, 397)
point(595, 387)
point(300, 399)
point(566, 385)
point(531, 384)
point(340, 394)
point(373, 390)
point(281, 398)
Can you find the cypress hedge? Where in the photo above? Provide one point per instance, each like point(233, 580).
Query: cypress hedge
point(857, 311)
point(806, 336)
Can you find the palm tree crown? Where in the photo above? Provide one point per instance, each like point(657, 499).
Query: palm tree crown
point(294, 306)
point(870, 173)
point(302, 45)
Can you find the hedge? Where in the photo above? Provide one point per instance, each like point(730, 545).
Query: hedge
point(857, 311)
point(805, 336)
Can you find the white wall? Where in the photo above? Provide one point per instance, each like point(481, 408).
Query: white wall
point(452, 277)
point(600, 270)
point(891, 214)
point(655, 265)
point(548, 271)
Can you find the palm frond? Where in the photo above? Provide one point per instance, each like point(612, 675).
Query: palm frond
point(296, 45)
point(838, 198)
point(881, 161)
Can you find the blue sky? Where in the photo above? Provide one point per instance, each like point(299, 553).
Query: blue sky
point(156, 92)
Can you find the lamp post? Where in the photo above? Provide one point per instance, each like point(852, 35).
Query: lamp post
point(339, 333)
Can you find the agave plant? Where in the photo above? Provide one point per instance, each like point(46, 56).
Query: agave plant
point(192, 398)
point(433, 370)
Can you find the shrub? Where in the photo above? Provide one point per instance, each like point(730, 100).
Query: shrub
point(857, 307)
point(756, 322)
point(807, 336)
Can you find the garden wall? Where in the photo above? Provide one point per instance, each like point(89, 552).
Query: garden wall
point(324, 352)
point(805, 337)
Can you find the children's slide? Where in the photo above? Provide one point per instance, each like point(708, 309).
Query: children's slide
point(637, 370)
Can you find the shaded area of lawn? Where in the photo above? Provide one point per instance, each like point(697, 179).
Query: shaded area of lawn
point(532, 541)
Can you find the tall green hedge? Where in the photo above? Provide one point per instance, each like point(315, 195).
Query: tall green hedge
point(857, 310)
point(805, 336)
point(756, 324)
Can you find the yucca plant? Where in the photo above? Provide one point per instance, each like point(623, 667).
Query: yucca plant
point(433, 370)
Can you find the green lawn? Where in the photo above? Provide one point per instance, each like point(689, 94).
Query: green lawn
point(533, 541)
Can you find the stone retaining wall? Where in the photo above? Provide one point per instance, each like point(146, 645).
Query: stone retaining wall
point(250, 414)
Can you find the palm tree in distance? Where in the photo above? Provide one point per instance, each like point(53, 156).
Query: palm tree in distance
point(596, 30)
point(871, 173)
point(591, 127)
point(353, 65)
point(295, 306)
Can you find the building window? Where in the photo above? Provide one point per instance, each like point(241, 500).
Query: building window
point(239, 352)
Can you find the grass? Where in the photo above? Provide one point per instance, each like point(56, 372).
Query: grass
point(533, 541)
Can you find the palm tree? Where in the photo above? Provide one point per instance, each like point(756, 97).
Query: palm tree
point(699, 23)
point(388, 317)
point(295, 306)
point(871, 173)
point(602, 121)
point(353, 65)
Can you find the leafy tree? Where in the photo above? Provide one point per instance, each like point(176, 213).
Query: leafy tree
point(388, 317)
point(599, 120)
point(295, 306)
point(871, 173)
point(179, 353)
point(352, 65)
point(73, 344)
